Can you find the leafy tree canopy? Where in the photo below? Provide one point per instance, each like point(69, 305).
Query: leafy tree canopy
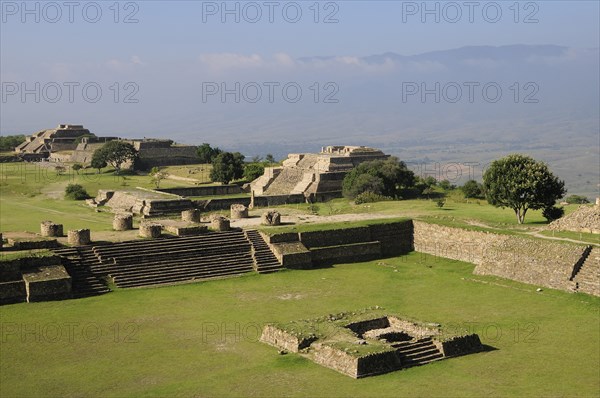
point(383, 177)
point(227, 167)
point(521, 183)
point(114, 153)
point(206, 153)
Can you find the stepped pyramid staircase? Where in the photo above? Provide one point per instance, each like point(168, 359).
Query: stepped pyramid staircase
point(415, 353)
point(82, 264)
point(264, 259)
point(167, 261)
point(587, 277)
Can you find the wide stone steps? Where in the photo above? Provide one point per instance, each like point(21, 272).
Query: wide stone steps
point(183, 275)
point(206, 241)
point(177, 260)
point(588, 278)
point(84, 282)
point(162, 266)
point(265, 260)
point(417, 353)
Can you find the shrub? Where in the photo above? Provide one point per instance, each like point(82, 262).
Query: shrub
point(553, 213)
point(440, 203)
point(76, 167)
point(370, 197)
point(576, 199)
point(76, 192)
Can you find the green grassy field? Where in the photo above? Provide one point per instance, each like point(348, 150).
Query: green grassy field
point(202, 339)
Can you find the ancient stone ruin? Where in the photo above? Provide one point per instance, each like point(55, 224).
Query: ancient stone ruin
point(74, 143)
point(238, 211)
point(219, 223)
point(191, 215)
point(79, 237)
point(314, 174)
point(271, 217)
point(123, 222)
point(369, 342)
point(150, 230)
point(48, 228)
point(585, 219)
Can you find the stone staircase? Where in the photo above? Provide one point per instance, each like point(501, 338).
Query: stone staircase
point(264, 260)
point(82, 265)
point(176, 260)
point(415, 353)
point(286, 181)
point(587, 278)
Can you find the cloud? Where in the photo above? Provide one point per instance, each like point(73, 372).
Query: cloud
point(220, 61)
point(125, 66)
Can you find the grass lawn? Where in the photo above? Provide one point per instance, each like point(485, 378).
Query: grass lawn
point(30, 193)
point(202, 339)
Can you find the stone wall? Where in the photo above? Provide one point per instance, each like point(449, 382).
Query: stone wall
point(47, 283)
point(32, 244)
point(378, 363)
point(292, 255)
point(13, 292)
point(354, 252)
point(335, 237)
point(335, 359)
point(539, 262)
point(283, 340)
point(204, 191)
point(461, 345)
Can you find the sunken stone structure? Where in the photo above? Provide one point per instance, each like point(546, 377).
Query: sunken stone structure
point(369, 342)
point(79, 237)
point(238, 211)
point(48, 228)
point(320, 174)
point(123, 222)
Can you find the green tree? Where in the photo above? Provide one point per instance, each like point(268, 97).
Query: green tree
point(76, 167)
point(76, 192)
point(115, 153)
point(227, 167)
point(553, 213)
point(576, 200)
point(446, 186)
point(384, 177)
point(206, 153)
point(156, 176)
point(253, 170)
point(270, 158)
point(472, 189)
point(10, 142)
point(521, 183)
point(98, 161)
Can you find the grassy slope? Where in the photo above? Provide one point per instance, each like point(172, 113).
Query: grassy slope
point(201, 339)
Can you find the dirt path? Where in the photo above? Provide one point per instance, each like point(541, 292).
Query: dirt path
point(536, 233)
point(301, 218)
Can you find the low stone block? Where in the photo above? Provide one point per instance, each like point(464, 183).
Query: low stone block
point(48, 228)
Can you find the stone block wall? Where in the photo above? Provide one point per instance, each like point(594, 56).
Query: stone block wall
point(47, 283)
point(204, 191)
point(355, 252)
point(292, 255)
point(461, 345)
point(335, 237)
point(282, 339)
point(539, 262)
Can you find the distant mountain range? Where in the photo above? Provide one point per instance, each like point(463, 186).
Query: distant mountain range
point(470, 104)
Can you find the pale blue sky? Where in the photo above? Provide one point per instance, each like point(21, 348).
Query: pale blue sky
point(175, 30)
